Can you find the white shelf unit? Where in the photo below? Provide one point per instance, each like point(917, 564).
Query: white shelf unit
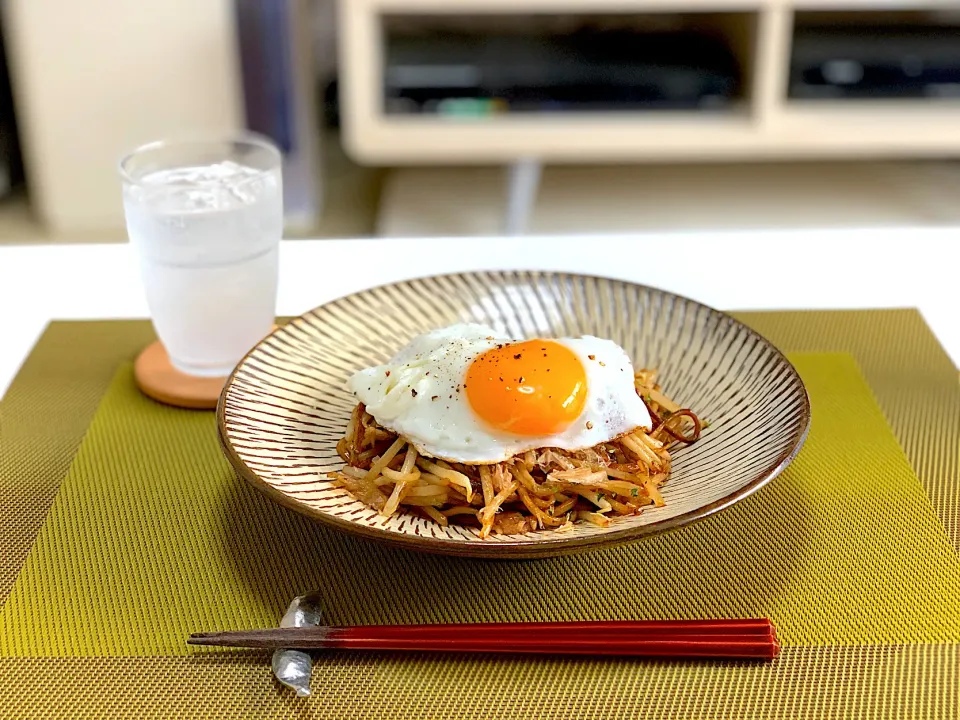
point(767, 125)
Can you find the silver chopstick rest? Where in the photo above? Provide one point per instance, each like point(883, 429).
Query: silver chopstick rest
point(293, 668)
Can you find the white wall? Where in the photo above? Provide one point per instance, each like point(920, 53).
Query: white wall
point(94, 78)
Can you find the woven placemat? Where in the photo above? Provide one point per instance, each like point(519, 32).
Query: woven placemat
point(152, 537)
point(916, 680)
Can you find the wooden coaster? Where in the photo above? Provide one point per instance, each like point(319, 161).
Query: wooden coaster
point(158, 379)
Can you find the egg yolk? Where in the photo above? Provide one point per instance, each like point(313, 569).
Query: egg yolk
point(536, 387)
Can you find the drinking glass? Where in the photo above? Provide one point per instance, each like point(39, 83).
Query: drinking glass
point(205, 217)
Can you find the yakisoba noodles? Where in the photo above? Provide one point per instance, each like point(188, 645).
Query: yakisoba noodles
point(541, 488)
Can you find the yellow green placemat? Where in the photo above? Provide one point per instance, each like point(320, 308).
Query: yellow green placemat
point(152, 537)
point(54, 397)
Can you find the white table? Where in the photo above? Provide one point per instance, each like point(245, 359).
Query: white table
point(878, 268)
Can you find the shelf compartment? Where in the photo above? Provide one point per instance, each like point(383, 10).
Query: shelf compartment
point(851, 57)
point(482, 64)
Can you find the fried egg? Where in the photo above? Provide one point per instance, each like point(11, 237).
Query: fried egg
point(467, 394)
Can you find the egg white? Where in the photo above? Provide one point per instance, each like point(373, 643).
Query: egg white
point(419, 394)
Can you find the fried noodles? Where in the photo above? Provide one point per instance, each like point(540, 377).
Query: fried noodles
point(547, 488)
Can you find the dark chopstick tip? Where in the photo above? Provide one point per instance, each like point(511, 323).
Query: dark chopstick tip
point(201, 638)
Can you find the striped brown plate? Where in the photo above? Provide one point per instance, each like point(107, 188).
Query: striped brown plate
point(286, 405)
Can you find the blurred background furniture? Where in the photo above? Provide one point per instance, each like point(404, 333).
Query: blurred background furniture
point(762, 123)
point(766, 124)
point(92, 80)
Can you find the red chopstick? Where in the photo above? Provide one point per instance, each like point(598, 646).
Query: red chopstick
point(748, 638)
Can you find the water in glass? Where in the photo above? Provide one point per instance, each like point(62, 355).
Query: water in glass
point(207, 238)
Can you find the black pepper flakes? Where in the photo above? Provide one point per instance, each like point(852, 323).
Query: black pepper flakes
point(413, 392)
point(518, 356)
point(591, 357)
point(589, 425)
point(388, 373)
point(435, 398)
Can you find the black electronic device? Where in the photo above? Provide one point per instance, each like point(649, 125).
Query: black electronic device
point(461, 74)
point(11, 165)
point(879, 61)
